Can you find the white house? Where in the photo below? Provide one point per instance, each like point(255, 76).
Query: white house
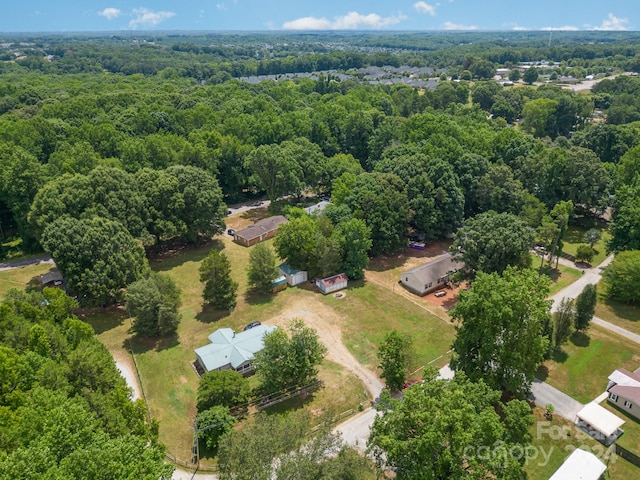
point(624, 391)
point(229, 350)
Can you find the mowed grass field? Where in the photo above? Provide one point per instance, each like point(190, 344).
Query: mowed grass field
point(22, 277)
point(624, 315)
point(363, 317)
point(575, 237)
point(585, 362)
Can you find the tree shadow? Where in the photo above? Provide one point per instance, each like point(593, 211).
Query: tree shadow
point(291, 404)
point(580, 339)
point(146, 344)
point(208, 314)
point(542, 373)
point(622, 310)
point(34, 284)
point(175, 257)
point(104, 319)
point(558, 355)
point(254, 297)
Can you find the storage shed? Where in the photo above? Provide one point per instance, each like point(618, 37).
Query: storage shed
point(430, 276)
point(293, 275)
point(278, 284)
point(259, 231)
point(332, 284)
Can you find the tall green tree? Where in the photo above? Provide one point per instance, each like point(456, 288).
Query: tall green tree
point(219, 288)
point(622, 277)
point(530, 75)
point(297, 242)
point(491, 241)
point(500, 339)
point(97, 256)
point(213, 423)
point(154, 302)
point(225, 387)
point(262, 269)
point(275, 170)
point(625, 234)
point(250, 453)
point(380, 200)
point(355, 239)
point(443, 428)
point(563, 320)
point(395, 354)
point(289, 361)
point(585, 306)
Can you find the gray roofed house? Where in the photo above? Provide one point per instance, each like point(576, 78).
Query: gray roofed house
point(259, 231)
point(229, 350)
point(430, 276)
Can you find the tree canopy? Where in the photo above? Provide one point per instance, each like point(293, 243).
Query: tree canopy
point(501, 337)
point(441, 428)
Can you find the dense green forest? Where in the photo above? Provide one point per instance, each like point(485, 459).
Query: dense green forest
point(115, 147)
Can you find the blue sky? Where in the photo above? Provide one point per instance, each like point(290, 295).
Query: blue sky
point(109, 15)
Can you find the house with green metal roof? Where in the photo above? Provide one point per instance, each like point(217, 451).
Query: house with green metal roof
point(229, 350)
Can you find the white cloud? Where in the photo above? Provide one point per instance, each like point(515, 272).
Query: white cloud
point(424, 7)
point(457, 26)
point(110, 13)
point(613, 23)
point(350, 21)
point(148, 18)
point(221, 6)
point(564, 28)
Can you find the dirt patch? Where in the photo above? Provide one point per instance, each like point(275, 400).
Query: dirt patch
point(327, 322)
point(183, 379)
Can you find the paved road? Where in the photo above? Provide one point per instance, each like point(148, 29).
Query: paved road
point(634, 337)
point(589, 275)
point(542, 394)
point(24, 262)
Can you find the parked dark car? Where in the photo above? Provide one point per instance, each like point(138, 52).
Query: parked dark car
point(231, 231)
point(251, 325)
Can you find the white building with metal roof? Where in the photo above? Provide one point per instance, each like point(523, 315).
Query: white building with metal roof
point(229, 350)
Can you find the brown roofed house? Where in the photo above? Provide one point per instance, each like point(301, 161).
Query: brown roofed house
point(259, 231)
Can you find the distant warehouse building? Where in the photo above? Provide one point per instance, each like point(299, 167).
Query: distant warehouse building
point(259, 231)
point(430, 276)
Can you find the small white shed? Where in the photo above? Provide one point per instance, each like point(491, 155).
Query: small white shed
point(580, 465)
point(293, 275)
point(332, 284)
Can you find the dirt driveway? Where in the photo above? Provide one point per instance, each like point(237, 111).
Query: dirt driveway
point(327, 322)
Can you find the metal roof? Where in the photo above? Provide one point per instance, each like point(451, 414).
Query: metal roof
point(600, 418)
point(580, 465)
point(230, 348)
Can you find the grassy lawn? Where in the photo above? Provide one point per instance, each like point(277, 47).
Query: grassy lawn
point(575, 237)
point(562, 277)
point(621, 314)
point(586, 360)
point(22, 278)
point(554, 441)
point(170, 382)
point(373, 311)
point(630, 439)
